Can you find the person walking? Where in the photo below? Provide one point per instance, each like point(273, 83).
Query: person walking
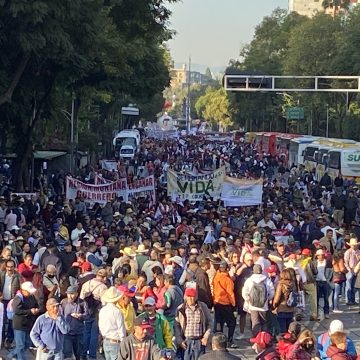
point(25, 308)
point(161, 327)
point(284, 289)
point(192, 326)
point(140, 345)
point(258, 290)
point(111, 323)
point(350, 261)
point(48, 332)
point(75, 311)
point(224, 302)
point(91, 292)
point(9, 285)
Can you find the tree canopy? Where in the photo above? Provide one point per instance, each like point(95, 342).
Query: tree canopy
point(105, 54)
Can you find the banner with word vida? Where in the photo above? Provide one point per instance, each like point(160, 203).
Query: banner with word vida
point(195, 187)
point(241, 192)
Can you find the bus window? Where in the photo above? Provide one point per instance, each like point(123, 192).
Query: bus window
point(334, 159)
point(309, 153)
point(322, 156)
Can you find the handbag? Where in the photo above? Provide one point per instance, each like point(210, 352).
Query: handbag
point(338, 277)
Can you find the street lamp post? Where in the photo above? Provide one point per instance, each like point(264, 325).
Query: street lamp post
point(327, 120)
point(70, 117)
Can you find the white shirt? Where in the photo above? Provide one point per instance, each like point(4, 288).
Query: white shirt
point(111, 322)
point(269, 224)
point(7, 287)
point(75, 234)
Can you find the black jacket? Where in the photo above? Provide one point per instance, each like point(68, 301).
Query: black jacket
point(23, 318)
point(219, 355)
point(67, 259)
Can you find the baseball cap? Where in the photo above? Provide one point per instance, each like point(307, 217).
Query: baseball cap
point(149, 301)
point(143, 322)
point(271, 269)
point(72, 290)
point(52, 301)
point(28, 286)
point(263, 338)
point(125, 290)
point(336, 326)
point(190, 292)
point(306, 252)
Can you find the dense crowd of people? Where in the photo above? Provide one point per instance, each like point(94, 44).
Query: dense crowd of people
point(163, 278)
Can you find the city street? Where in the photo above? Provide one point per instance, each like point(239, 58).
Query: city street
point(351, 320)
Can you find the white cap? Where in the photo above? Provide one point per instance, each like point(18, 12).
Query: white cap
point(14, 227)
point(149, 301)
point(336, 326)
point(28, 286)
point(194, 251)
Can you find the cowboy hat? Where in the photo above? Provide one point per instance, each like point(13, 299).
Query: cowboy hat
point(128, 251)
point(129, 211)
point(177, 260)
point(353, 242)
point(111, 295)
point(141, 249)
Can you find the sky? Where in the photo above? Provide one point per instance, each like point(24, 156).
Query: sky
point(213, 31)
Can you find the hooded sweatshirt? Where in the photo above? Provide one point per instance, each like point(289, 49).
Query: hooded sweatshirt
point(335, 353)
point(249, 283)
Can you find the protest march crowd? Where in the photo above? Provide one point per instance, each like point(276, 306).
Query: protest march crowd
point(176, 273)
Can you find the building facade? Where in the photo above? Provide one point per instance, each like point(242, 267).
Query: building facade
point(311, 7)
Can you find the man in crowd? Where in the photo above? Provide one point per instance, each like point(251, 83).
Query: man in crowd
point(160, 326)
point(111, 323)
point(9, 286)
point(26, 309)
point(91, 292)
point(48, 332)
point(192, 326)
point(75, 311)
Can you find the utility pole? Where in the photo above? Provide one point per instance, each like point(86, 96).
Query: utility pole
point(188, 119)
point(72, 134)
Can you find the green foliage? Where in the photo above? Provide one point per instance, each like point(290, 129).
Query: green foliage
point(106, 54)
point(290, 44)
point(214, 107)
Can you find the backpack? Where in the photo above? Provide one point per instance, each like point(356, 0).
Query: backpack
point(92, 303)
point(293, 299)
point(9, 307)
point(258, 295)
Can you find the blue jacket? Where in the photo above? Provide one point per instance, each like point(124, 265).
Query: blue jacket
point(323, 343)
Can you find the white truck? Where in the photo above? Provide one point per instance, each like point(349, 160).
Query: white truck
point(126, 144)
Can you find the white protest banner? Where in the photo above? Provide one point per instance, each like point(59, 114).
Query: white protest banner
point(241, 192)
point(195, 187)
point(142, 188)
point(109, 165)
point(95, 193)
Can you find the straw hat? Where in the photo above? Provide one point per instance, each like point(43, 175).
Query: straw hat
point(141, 249)
point(111, 295)
point(128, 251)
point(353, 242)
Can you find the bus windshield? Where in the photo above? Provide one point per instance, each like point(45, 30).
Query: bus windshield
point(334, 159)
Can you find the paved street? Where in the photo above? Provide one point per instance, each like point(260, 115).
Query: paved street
point(351, 320)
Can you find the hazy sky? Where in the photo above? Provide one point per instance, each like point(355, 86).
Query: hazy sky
point(213, 31)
